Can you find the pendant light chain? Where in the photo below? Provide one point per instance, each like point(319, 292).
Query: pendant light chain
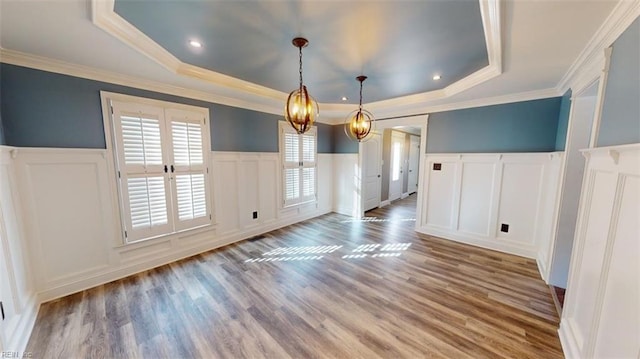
point(360, 106)
point(300, 62)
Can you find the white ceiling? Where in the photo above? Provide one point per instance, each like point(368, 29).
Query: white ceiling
point(540, 41)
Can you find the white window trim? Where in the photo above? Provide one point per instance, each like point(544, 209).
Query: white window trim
point(112, 165)
point(285, 126)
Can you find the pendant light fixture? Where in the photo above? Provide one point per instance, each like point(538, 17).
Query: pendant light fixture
point(359, 124)
point(301, 109)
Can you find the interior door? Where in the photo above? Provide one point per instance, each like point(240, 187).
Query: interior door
point(372, 163)
point(395, 176)
point(414, 160)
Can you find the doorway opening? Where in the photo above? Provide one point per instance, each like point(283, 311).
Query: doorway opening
point(579, 136)
point(390, 163)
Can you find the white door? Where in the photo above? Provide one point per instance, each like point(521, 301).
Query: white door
point(397, 154)
point(371, 167)
point(414, 159)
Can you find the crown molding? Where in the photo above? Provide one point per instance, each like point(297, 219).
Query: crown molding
point(491, 22)
point(65, 68)
point(104, 16)
point(333, 114)
point(592, 56)
point(244, 94)
point(460, 105)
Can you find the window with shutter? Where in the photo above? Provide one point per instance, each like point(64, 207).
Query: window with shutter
point(299, 165)
point(161, 165)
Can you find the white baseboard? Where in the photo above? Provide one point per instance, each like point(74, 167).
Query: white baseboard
point(18, 340)
point(568, 342)
point(404, 195)
point(385, 203)
point(496, 244)
point(122, 272)
point(541, 269)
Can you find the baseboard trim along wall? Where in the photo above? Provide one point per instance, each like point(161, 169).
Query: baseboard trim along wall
point(137, 267)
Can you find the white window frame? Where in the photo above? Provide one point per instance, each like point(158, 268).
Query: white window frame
point(114, 103)
point(302, 165)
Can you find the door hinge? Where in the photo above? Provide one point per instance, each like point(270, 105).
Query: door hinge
point(210, 217)
point(125, 234)
point(111, 109)
point(119, 174)
point(207, 169)
point(2, 310)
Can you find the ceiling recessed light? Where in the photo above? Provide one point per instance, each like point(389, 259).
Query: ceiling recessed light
point(436, 77)
point(344, 98)
point(195, 43)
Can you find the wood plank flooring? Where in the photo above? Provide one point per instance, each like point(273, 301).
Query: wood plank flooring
point(328, 287)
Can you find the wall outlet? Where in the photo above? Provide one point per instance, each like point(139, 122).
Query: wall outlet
point(504, 228)
point(255, 214)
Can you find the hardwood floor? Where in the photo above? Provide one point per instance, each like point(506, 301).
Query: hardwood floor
point(328, 287)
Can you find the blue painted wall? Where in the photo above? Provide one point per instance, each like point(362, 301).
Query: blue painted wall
point(342, 143)
point(325, 138)
point(44, 109)
point(563, 121)
point(620, 122)
point(529, 126)
point(2, 141)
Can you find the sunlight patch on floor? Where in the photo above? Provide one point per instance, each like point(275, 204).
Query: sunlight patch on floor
point(283, 259)
point(376, 219)
point(302, 250)
point(290, 254)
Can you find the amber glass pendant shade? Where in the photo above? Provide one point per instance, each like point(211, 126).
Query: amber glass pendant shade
point(359, 124)
point(301, 110)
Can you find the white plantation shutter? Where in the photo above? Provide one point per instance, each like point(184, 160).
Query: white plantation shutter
point(141, 140)
point(148, 202)
point(291, 148)
point(190, 190)
point(191, 195)
point(299, 154)
point(309, 165)
point(161, 164)
point(291, 185)
point(308, 183)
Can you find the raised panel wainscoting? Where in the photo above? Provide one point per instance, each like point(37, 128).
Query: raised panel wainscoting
point(17, 293)
point(601, 317)
point(472, 198)
point(73, 224)
point(346, 182)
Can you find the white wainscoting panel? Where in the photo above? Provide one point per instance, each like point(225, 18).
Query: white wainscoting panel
point(550, 203)
point(225, 175)
point(346, 184)
point(441, 186)
point(17, 291)
point(476, 196)
point(66, 211)
point(248, 195)
point(471, 195)
point(601, 315)
point(71, 209)
point(520, 194)
point(325, 182)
